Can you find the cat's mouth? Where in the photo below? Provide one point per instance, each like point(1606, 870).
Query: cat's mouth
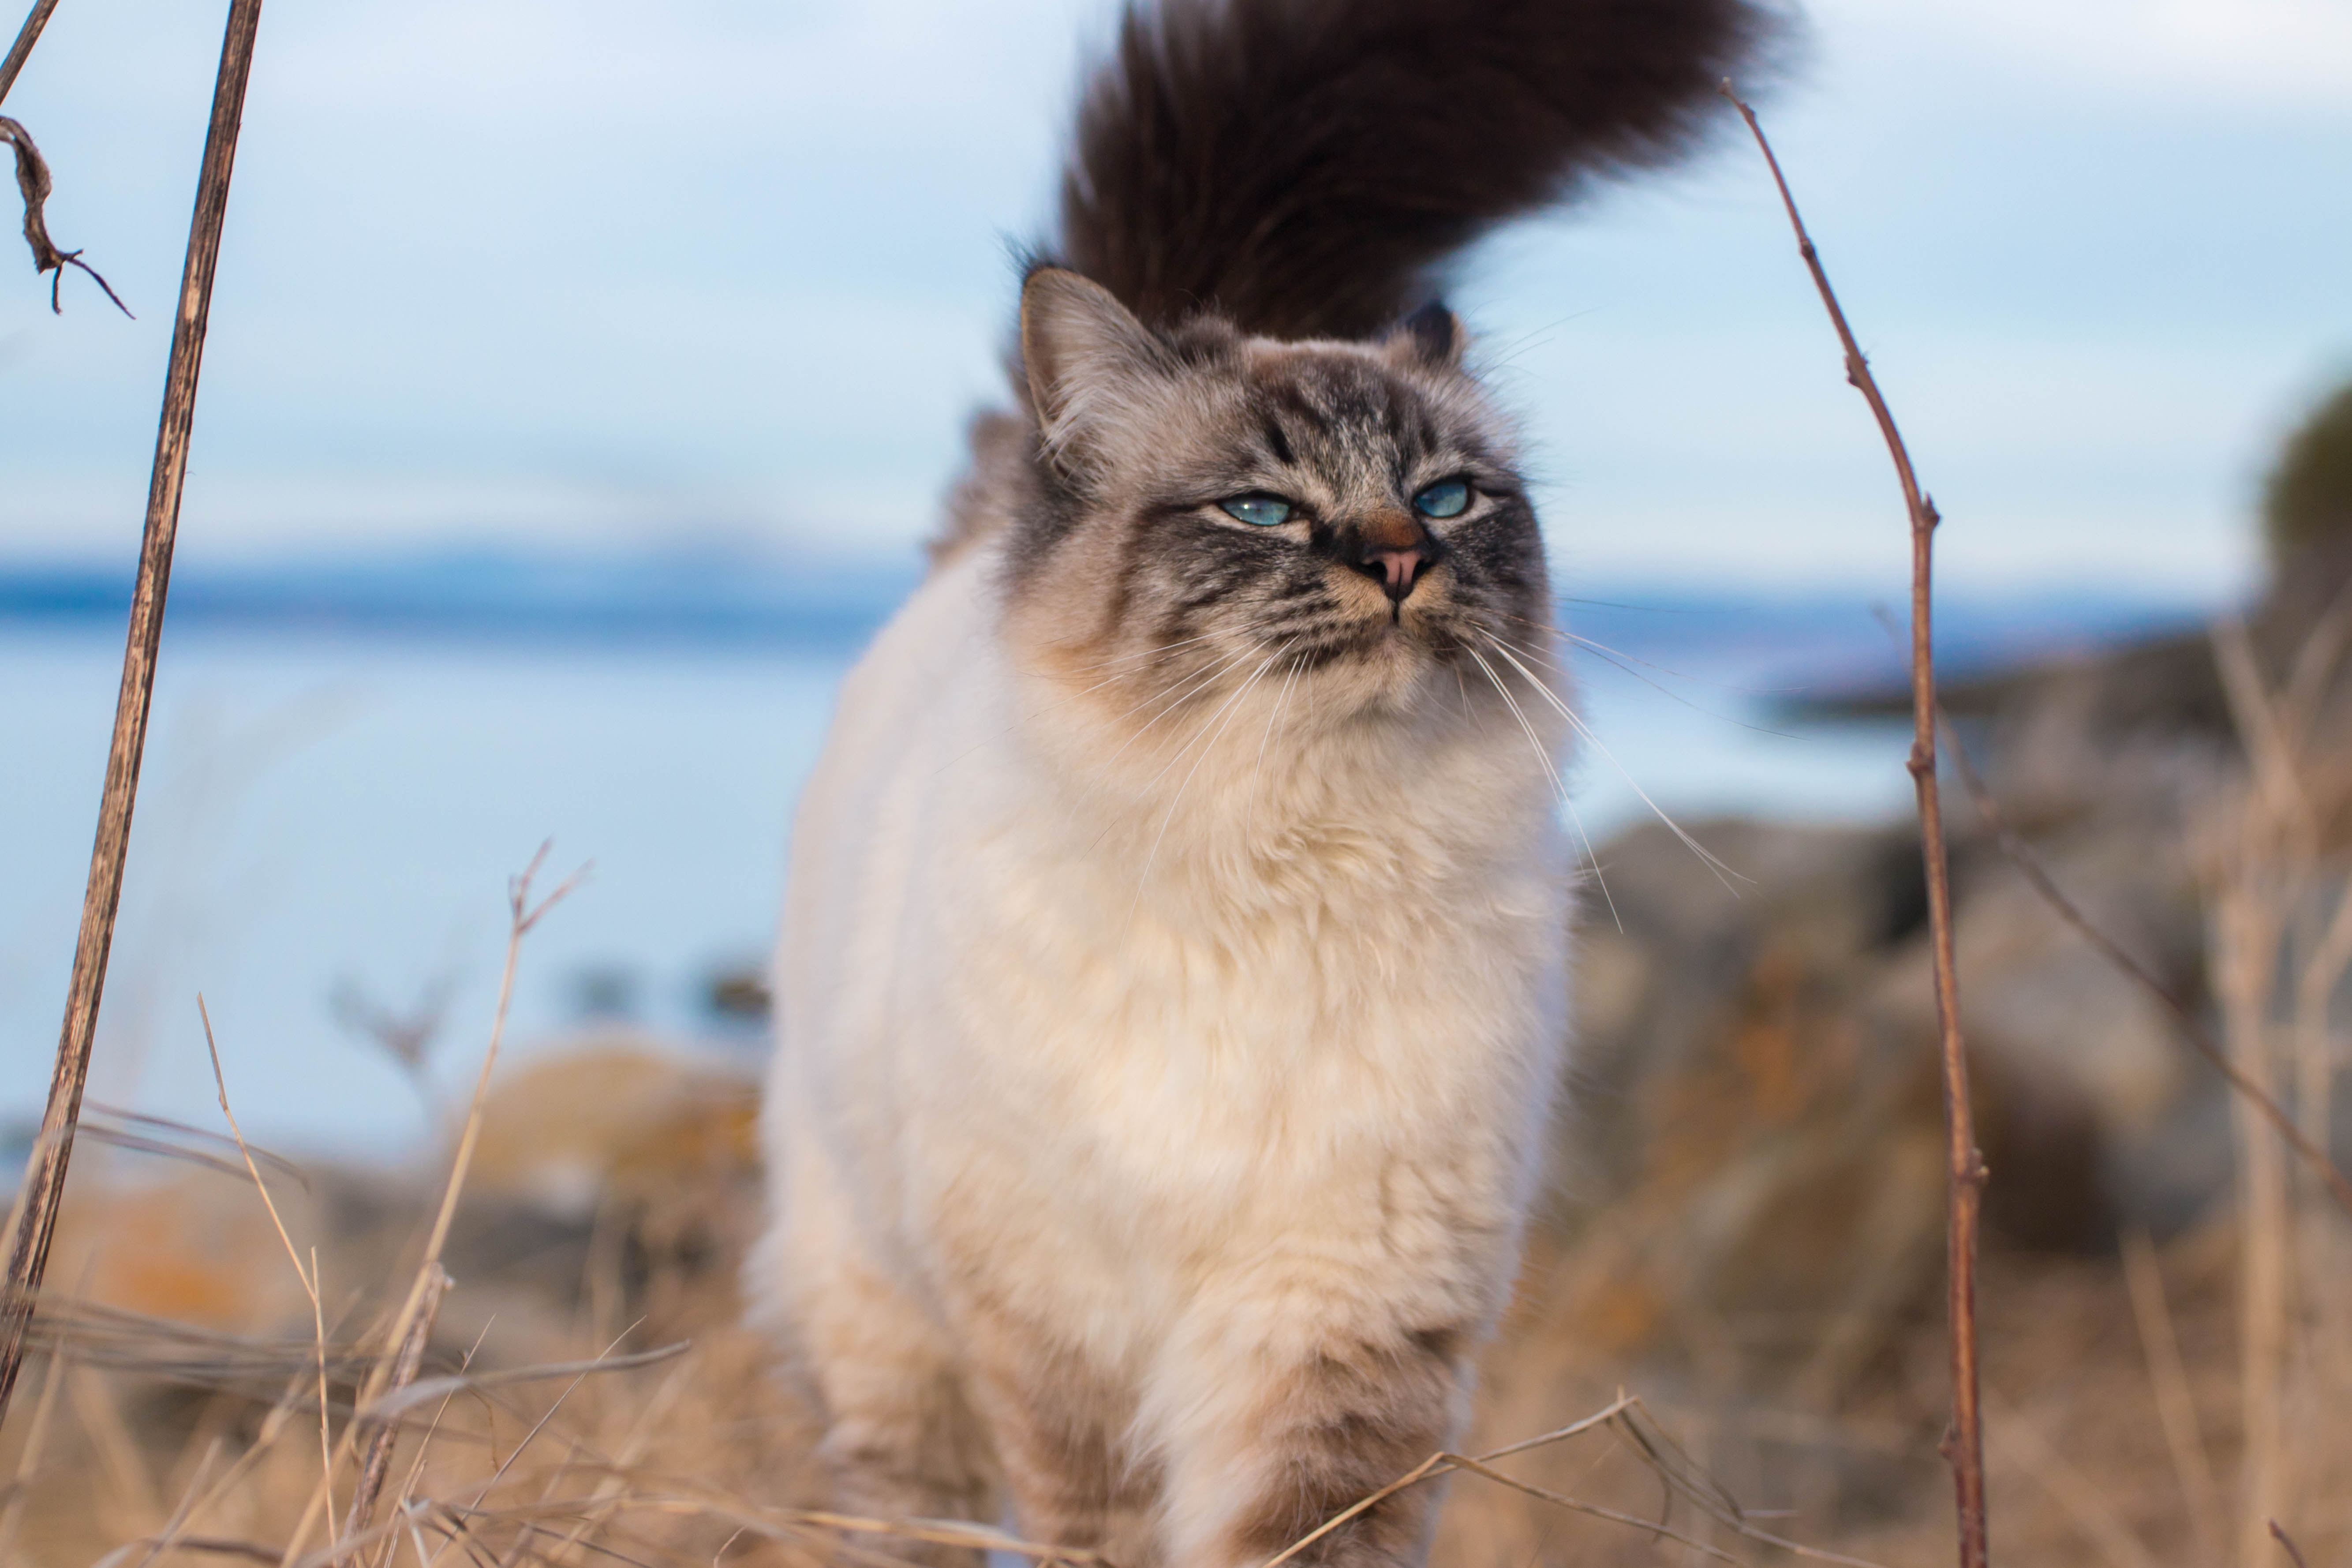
point(1401, 638)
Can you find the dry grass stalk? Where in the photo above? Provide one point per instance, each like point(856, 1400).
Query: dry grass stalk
point(309, 1279)
point(1625, 1417)
point(2175, 1406)
point(22, 50)
point(2264, 851)
point(44, 1184)
point(28, 1460)
point(2033, 1455)
point(410, 1356)
point(1965, 1173)
point(2309, 1147)
point(424, 1293)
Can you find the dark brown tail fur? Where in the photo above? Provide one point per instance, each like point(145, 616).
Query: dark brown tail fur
point(1306, 166)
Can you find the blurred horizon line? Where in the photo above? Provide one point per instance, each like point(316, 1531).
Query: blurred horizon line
point(699, 595)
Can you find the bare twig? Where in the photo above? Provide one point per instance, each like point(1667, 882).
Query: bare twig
point(406, 1036)
point(524, 915)
point(33, 184)
point(1624, 1417)
point(2021, 855)
point(27, 36)
point(2286, 1541)
point(1965, 1173)
point(33, 171)
point(44, 1184)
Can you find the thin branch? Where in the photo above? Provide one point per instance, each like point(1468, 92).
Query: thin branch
point(1965, 1172)
point(27, 36)
point(33, 184)
point(2021, 855)
point(43, 1185)
point(2283, 1538)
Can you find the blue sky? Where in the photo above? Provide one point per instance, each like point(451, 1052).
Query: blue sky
point(588, 275)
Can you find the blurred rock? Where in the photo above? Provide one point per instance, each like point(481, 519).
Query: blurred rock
point(738, 996)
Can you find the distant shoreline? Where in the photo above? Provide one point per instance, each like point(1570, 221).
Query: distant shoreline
point(1834, 636)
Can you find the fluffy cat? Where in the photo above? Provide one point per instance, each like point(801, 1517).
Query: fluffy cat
point(1173, 982)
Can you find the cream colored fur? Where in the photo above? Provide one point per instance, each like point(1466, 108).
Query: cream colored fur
point(1133, 1074)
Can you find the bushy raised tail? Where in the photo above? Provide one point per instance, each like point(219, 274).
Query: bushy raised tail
point(1307, 166)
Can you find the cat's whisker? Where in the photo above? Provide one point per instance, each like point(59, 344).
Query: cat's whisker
point(1618, 653)
point(1621, 661)
point(1190, 686)
point(1195, 686)
point(1192, 682)
point(1145, 655)
point(1230, 709)
point(1614, 662)
point(1608, 656)
point(1575, 818)
point(1041, 710)
point(1273, 718)
point(1723, 873)
point(1229, 705)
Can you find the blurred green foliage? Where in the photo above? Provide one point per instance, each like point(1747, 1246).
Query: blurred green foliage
point(2307, 502)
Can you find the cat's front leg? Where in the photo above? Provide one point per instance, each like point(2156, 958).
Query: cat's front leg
point(900, 1439)
point(1061, 1435)
point(1266, 1440)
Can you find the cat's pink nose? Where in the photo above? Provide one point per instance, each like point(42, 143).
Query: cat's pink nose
point(1400, 566)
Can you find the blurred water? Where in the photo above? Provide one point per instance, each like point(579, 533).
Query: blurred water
point(327, 809)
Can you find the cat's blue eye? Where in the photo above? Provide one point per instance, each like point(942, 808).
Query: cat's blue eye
point(1446, 497)
point(1264, 510)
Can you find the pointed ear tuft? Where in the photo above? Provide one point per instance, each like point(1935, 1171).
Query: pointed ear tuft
point(1086, 356)
point(1433, 336)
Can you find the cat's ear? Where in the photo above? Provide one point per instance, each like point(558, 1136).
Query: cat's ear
point(1088, 360)
point(1432, 336)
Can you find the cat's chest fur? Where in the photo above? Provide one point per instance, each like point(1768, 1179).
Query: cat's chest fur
point(1119, 1035)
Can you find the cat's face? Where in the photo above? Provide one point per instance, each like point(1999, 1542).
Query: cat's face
point(1214, 507)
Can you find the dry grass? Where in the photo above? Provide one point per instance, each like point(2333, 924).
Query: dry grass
point(203, 1432)
point(206, 1433)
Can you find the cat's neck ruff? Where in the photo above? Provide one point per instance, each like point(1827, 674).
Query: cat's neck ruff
point(1267, 783)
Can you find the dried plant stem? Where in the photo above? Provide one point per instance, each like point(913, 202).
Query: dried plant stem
point(2266, 844)
point(2074, 1493)
point(45, 1173)
point(2021, 855)
point(1965, 1172)
point(377, 1459)
point(27, 36)
point(32, 174)
point(34, 185)
point(424, 1293)
point(1624, 1418)
point(2175, 1407)
point(28, 1458)
point(310, 1276)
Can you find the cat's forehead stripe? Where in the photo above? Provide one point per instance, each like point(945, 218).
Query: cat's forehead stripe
point(1351, 410)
